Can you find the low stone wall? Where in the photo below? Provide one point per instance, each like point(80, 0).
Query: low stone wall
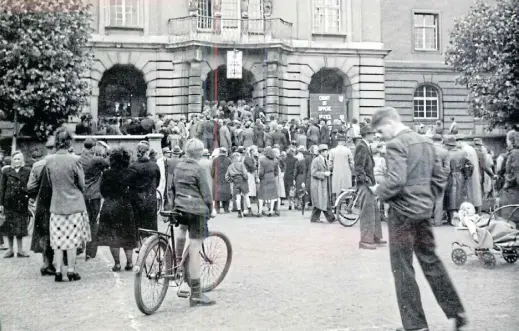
point(27, 144)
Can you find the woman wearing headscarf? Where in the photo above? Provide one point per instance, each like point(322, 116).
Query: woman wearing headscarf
point(268, 172)
point(143, 189)
point(116, 219)
point(194, 202)
point(14, 201)
point(69, 226)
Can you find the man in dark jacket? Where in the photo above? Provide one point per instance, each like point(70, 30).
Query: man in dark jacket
point(208, 133)
point(415, 180)
point(324, 132)
point(370, 227)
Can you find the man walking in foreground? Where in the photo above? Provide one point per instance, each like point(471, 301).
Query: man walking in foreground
point(415, 179)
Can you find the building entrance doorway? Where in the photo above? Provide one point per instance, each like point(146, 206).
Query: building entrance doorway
point(217, 87)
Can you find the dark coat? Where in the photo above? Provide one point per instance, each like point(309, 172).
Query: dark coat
point(456, 189)
point(14, 197)
point(143, 190)
point(324, 135)
point(117, 226)
point(170, 166)
point(279, 138)
point(364, 165)
point(267, 173)
point(308, 167)
point(221, 188)
point(43, 193)
point(259, 136)
point(313, 135)
point(300, 173)
point(290, 165)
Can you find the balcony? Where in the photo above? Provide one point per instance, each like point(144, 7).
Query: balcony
point(219, 30)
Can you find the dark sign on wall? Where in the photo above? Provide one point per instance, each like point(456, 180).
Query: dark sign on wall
point(328, 106)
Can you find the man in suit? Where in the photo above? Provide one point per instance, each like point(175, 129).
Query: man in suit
point(415, 180)
point(370, 227)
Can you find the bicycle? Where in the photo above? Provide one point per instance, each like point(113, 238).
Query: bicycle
point(168, 269)
point(346, 206)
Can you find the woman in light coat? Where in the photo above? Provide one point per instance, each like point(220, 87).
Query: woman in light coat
point(341, 162)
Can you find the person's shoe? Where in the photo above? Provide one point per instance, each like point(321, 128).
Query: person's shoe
point(197, 297)
point(380, 241)
point(9, 254)
point(277, 213)
point(22, 254)
point(116, 268)
point(240, 214)
point(461, 321)
point(369, 246)
point(128, 267)
point(289, 207)
point(316, 221)
point(402, 329)
point(73, 276)
point(58, 277)
point(183, 290)
point(48, 271)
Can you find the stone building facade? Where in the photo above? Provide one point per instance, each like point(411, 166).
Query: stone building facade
point(173, 53)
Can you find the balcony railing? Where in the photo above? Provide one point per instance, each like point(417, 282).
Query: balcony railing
point(226, 30)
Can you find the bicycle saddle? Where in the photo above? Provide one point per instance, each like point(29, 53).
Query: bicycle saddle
point(170, 213)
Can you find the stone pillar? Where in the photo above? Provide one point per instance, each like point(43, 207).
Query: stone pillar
point(150, 101)
point(267, 16)
point(195, 87)
point(94, 104)
point(245, 20)
point(272, 83)
point(193, 13)
point(217, 16)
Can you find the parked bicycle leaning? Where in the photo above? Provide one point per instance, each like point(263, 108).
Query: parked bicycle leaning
point(193, 200)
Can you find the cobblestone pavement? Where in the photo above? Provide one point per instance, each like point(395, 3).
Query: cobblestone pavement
point(286, 274)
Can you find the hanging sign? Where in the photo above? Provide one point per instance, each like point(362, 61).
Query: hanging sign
point(234, 64)
point(327, 106)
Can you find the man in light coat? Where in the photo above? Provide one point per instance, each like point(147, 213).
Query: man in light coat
point(225, 135)
point(474, 194)
point(341, 162)
point(319, 187)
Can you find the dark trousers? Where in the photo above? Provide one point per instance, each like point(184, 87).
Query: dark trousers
point(370, 226)
point(405, 237)
point(225, 205)
point(93, 208)
point(316, 214)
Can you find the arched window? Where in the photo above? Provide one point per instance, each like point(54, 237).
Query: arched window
point(426, 102)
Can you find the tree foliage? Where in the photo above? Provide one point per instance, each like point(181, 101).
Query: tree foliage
point(484, 49)
point(43, 56)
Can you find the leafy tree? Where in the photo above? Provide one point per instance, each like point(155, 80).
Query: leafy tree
point(43, 55)
point(484, 49)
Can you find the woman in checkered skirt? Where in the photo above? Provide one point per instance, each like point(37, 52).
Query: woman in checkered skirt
point(69, 226)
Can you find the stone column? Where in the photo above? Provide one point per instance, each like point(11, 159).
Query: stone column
point(267, 16)
point(272, 83)
point(150, 101)
point(245, 20)
point(217, 16)
point(193, 13)
point(94, 104)
point(195, 87)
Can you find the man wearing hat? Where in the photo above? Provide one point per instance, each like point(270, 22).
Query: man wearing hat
point(370, 227)
point(206, 164)
point(341, 162)
point(319, 187)
point(443, 154)
point(221, 188)
point(485, 165)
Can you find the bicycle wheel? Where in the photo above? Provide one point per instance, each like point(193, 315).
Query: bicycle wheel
point(348, 210)
point(153, 263)
point(216, 258)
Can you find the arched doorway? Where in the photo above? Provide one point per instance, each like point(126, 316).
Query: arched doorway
point(330, 92)
point(218, 87)
point(122, 92)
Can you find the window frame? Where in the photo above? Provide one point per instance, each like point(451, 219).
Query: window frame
point(140, 16)
point(324, 30)
point(437, 15)
point(425, 98)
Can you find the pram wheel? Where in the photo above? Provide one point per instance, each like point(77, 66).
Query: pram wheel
point(459, 257)
point(489, 260)
point(510, 256)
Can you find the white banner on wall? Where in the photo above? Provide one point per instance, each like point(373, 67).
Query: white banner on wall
point(234, 64)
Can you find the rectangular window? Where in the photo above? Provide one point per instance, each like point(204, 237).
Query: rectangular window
point(125, 13)
point(327, 16)
point(426, 32)
point(205, 14)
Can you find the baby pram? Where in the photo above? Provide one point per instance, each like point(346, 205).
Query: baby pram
point(485, 239)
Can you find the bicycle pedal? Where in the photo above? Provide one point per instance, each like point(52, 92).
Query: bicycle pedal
point(183, 294)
